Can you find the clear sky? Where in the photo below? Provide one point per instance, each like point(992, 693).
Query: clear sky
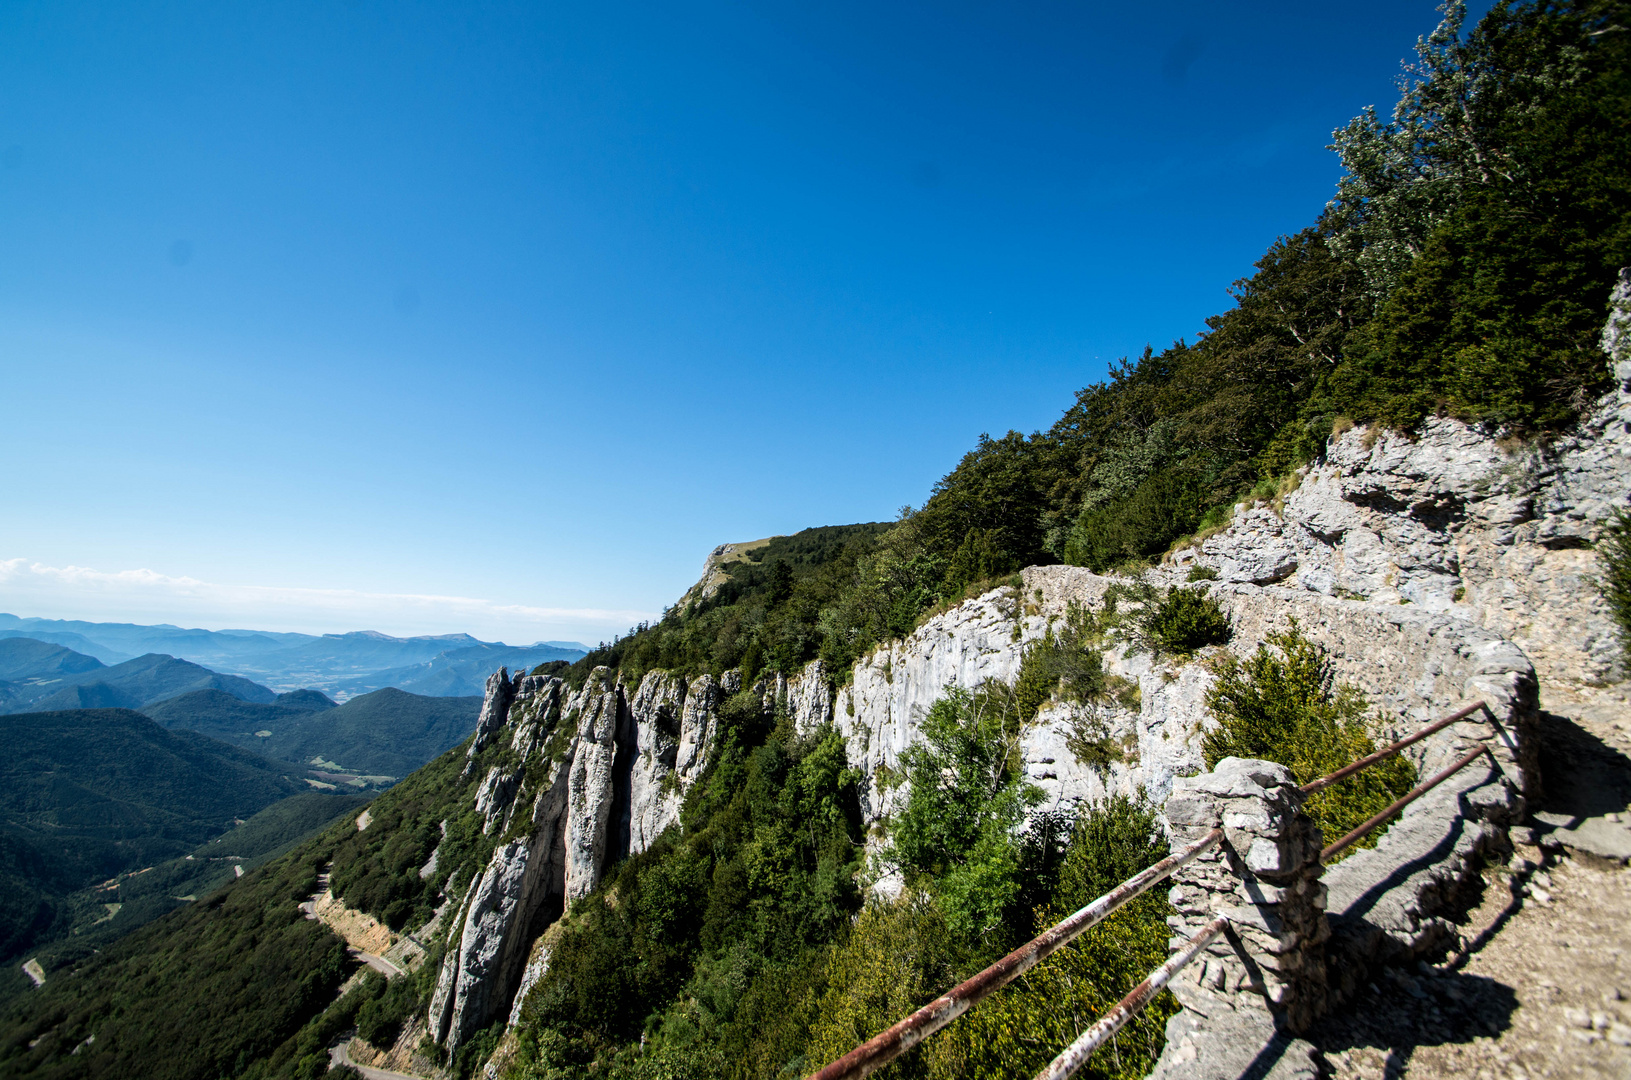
point(436, 317)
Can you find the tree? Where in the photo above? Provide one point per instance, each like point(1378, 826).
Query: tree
point(956, 834)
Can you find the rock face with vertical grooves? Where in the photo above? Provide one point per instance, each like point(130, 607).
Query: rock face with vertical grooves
point(591, 793)
point(657, 712)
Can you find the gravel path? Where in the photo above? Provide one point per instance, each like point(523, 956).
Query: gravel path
point(1541, 986)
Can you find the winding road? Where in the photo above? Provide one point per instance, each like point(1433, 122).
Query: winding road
point(340, 1055)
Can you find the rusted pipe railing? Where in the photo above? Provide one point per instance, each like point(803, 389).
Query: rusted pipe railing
point(1414, 794)
point(1365, 762)
point(885, 1047)
point(1077, 1053)
point(881, 1049)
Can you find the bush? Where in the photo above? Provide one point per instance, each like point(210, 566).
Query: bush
point(955, 834)
point(1282, 705)
point(1066, 661)
point(896, 958)
point(1177, 620)
point(380, 1019)
point(1018, 1030)
point(1187, 620)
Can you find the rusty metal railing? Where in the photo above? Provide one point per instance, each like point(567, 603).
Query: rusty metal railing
point(1387, 751)
point(883, 1048)
point(1077, 1053)
point(1415, 793)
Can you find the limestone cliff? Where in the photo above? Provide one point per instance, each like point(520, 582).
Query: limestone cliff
point(1436, 568)
point(1452, 520)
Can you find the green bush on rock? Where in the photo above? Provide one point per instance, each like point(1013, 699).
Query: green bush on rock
point(1282, 704)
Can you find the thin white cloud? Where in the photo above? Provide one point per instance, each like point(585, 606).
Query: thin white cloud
point(144, 596)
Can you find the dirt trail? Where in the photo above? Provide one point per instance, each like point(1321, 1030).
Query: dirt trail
point(1541, 986)
point(340, 1055)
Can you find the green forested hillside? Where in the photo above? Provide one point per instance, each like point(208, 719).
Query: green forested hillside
point(386, 734)
point(240, 984)
point(89, 919)
point(88, 794)
point(198, 994)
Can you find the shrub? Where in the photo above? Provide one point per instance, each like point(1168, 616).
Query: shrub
point(1018, 1030)
point(1066, 661)
point(955, 834)
point(1187, 620)
point(896, 958)
point(1282, 705)
point(1177, 620)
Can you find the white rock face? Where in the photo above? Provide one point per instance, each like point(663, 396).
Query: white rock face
point(1616, 339)
point(590, 789)
point(1458, 522)
point(809, 697)
point(658, 710)
point(702, 697)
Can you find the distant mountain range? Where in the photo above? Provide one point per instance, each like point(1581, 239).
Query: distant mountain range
point(375, 737)
point(341, 665)
point(39, 676)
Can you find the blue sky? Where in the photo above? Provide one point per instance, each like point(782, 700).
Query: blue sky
point(496, 318)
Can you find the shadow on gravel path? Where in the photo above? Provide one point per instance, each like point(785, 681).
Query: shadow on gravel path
point(1539, 982)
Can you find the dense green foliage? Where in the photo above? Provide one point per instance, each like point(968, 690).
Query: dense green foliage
point(1614, 550)
point(1281, 705)
point(86, 795)
point(196, 995)
point(1018, 1031)
point(954, 836)
point(90, 918)
point(1490, 216)
point(386, 734)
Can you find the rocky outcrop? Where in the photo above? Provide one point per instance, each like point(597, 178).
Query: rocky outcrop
point(495, 708)
point(658, 712)
point(522, 888)
point(589, 776)
point(1451, 519)
point(592, 785)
